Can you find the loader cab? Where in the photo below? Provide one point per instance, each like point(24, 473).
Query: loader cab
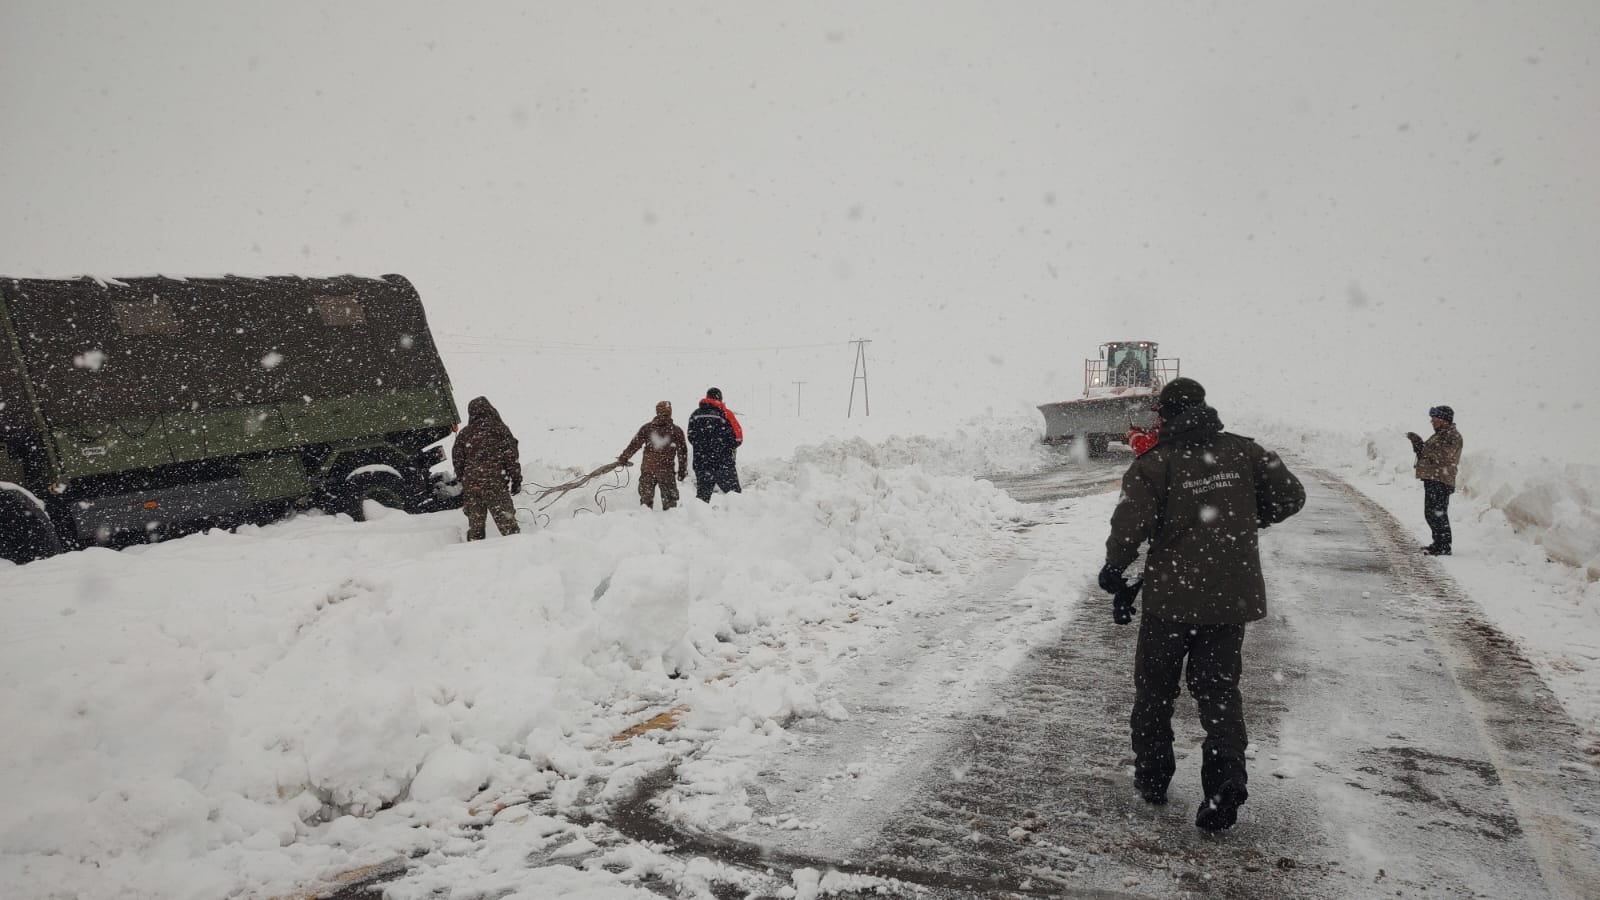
point(1129, 363)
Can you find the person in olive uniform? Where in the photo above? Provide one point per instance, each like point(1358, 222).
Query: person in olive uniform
point(666, 451)
point(1198, 497)
point(486, 460)
point(1438, 459)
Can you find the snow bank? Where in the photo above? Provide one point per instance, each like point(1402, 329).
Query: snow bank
point(1527, 542)
point(248, 711)
point(1554, 505)
point(973, 448)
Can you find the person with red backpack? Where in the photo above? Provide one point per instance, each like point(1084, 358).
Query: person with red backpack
point(715, 435)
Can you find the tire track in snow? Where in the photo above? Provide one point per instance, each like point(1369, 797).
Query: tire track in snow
point(1531, 743)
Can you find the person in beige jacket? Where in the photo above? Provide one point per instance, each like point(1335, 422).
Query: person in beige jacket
point(1438, 459)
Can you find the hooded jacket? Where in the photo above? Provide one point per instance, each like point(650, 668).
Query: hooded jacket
point(715, 433)
point(485, 454)
point(664, 444)
point(1440, 456)
point(733, 420)
point(1199, 496)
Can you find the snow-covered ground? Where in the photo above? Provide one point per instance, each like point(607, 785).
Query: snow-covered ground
point(1527, 542)
point(248, 714)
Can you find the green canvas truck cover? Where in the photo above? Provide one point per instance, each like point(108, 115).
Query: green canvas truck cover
point(134, 373)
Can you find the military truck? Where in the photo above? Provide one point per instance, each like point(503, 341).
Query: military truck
point(145, 406)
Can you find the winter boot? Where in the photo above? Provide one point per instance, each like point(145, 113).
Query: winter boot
point(1152, 789)
point(1436, 551)
point(1219, 811)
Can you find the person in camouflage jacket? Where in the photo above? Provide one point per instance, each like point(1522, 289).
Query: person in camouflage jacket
point(486, 460)
point(666, 452)
point(1198, 497)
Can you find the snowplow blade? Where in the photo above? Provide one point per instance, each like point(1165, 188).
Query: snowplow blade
point(1097, 421)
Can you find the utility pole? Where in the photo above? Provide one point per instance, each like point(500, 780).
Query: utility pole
point(797, 398)
point(861, 368)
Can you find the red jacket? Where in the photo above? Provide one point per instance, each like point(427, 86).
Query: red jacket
point(738, 432)
point(1141, 441)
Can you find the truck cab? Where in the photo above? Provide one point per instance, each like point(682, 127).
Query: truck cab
point(1124, 364)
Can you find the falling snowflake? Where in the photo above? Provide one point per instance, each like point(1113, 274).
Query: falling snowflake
point(90, 359)
point(271, 360)
point(1208, 514)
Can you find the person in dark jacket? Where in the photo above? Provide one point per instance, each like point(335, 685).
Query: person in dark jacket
point(486, 460)
point(715, 434)
point(1438, 459)
point(664, 445)
point(1198, 497)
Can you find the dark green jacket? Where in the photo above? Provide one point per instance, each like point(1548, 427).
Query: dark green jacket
point(1198, 497)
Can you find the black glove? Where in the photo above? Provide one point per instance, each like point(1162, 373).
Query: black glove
point(516, 485)
point(1122, 608)
point(1111, 580)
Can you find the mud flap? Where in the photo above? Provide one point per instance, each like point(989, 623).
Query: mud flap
point(26, 532)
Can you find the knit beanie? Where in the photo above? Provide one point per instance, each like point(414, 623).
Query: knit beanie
point(1178, 395)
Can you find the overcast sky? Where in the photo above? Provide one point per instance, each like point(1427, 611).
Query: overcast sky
point(1342, 212)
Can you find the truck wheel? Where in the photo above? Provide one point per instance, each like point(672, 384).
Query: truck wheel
point(385, 488)
point(26, 532)
point(1098, 445)
point(441, 492)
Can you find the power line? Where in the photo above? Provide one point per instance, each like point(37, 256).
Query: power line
point(482, 345)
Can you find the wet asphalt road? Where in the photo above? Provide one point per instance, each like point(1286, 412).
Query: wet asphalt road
point(1404, 747)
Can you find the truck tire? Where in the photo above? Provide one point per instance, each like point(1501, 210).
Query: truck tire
point(1098, 445)
point(26, 532)
point(385, 488)
point(444, 492)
